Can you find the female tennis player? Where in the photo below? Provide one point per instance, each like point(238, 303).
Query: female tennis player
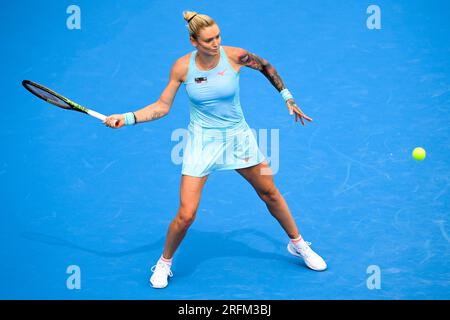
point(219, 137)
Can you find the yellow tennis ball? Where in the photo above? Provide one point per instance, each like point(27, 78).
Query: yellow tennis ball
point(419, 153)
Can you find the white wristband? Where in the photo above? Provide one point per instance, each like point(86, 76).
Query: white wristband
point(286, 94)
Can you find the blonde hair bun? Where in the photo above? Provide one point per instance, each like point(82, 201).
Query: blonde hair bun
point(197, 22)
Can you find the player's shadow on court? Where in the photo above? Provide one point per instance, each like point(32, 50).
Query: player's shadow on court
point(197, 247)
point(200, 246)
point(55, 241)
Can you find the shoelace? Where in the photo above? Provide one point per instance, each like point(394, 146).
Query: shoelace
point(165, 267)
point(305, 251)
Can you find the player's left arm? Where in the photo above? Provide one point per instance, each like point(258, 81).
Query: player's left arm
point(251, 60)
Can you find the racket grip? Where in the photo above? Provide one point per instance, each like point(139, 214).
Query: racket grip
point(97, 115)
point(100, 116)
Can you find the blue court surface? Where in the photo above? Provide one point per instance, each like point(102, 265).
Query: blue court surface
point(85, 209)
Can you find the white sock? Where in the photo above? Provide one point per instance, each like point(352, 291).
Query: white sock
point(299, 242)
point(166, 261)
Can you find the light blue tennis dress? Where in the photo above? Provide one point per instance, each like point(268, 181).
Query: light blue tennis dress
point(219, 138)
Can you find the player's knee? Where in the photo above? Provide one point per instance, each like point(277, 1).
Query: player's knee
point(270, 194)
point(185, 216)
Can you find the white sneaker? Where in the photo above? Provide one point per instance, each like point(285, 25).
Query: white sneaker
point(161, 272)
point(312, 259)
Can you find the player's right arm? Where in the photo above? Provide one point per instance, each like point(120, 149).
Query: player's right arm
point(162, 106)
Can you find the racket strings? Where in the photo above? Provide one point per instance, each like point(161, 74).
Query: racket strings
point(46, 94)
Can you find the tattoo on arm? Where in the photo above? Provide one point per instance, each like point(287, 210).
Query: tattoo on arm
point(149, 113)
point(253, 61)
point(154, 116)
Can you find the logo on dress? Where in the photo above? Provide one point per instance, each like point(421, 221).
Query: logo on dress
point(221, 73)
point(201, 79)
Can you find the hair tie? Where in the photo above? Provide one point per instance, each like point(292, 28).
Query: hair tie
point(191, 18)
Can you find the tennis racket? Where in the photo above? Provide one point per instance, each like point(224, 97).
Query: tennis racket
point(58, 100)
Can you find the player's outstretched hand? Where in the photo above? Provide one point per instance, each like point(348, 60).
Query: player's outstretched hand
point(115, 121)
point(294, 109)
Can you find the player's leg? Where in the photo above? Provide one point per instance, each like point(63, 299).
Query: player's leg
point(267, 191)
point(190, 193)
point(265, 188)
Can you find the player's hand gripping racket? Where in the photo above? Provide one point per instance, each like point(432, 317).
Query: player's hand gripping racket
point(58, 100)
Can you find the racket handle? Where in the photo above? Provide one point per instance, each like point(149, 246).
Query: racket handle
point(97, 115)
point(100, 116)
